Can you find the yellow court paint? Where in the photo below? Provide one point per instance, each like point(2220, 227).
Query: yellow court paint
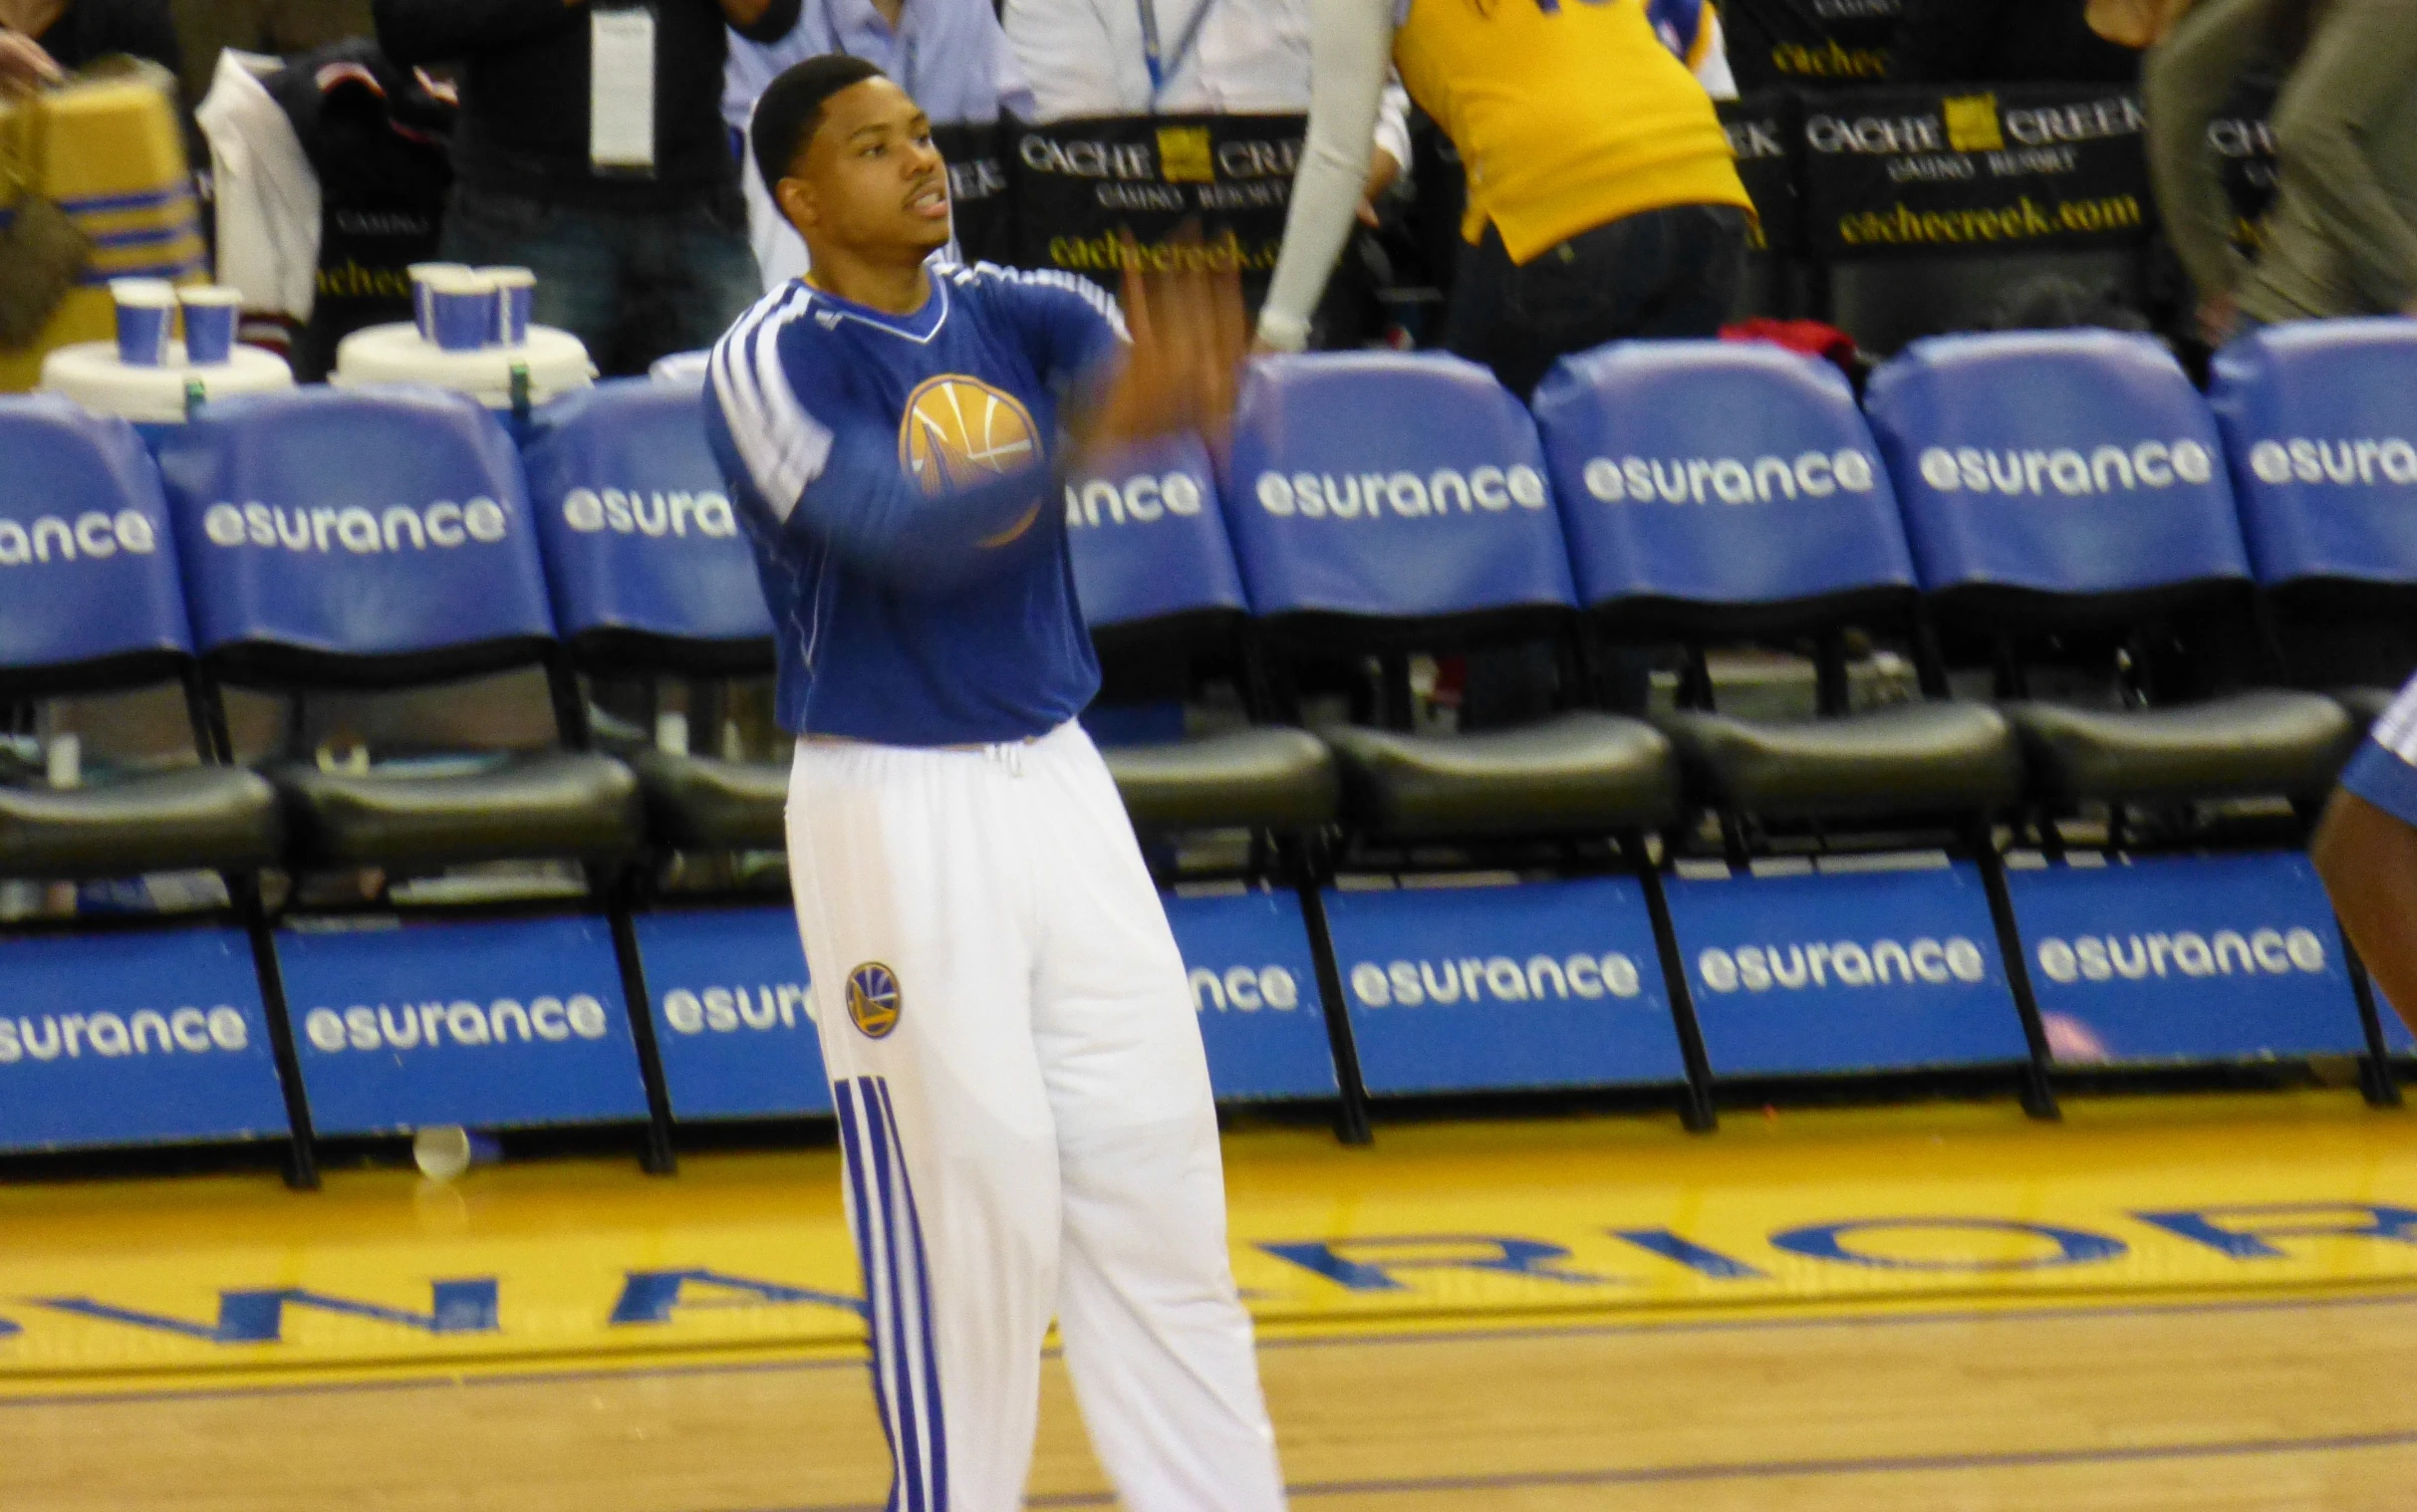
point(196, 1284)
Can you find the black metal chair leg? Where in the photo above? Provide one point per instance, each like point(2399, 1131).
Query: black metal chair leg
point(1696, 1109)
point(620, 896)
point(302, 1152)
point(1309, 873)
point(2375, 1080)
point(2037, 1085)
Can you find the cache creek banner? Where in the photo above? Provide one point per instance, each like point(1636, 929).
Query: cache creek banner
point(1943, 171)
point(1083, 186)
point(981, 210)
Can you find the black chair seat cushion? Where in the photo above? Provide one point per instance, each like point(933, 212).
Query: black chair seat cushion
point(1914, 758)
point(1278, 779)
point(701, 803)
point(1582, 772)
point(2259, 743)
point(195, 818)
point(2364, 704)
point(521, 805)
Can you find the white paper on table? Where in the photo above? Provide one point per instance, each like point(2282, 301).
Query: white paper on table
point(621, 89)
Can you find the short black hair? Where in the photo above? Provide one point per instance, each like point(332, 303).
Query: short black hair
point(792, 107)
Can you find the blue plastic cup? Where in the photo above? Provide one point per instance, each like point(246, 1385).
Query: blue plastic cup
point(145, 307)
point(423, 311)
point(210, 313)
point(462, 310)
point(515, 293)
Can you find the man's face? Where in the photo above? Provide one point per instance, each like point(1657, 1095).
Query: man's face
point(870, 180)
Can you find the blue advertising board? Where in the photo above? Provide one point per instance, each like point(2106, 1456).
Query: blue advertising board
point(2190, 957)
point(488, 1024)
point(1463, 989)
point(134, 1037)
point(1847, 971)
point(1254, 986)
point(733, 1014)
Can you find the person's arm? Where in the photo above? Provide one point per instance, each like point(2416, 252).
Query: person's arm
point(23, 63)
point(1350, 42)
point(2366, 850)
point(416, 32)
point(2184, 83)
point(760, 20)
point(2357, 72)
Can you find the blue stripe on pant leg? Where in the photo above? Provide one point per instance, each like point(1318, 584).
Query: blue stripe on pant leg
point(877, 1297)
point(923, 1289)
point(912, 1474)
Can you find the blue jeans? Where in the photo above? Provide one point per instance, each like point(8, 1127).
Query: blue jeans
point(633, 286)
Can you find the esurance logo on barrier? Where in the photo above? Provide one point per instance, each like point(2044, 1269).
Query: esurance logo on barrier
point(1847, 971)
point(91, 535)
point(146, 1031)
point(1144, 499)
point(2065, 471)
point(649, 512)
point(1544, 984)
point(461, 1023)
point(441, 526)
point(735, 1013)
point(1368, 495)
point(2361, 462)
point(1703, 480)
point(1495, 978)
point(125, 1038)
point(2207, 957)
point(1255, 990)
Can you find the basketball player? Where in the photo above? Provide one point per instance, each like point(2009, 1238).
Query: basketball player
point(1024, 1102)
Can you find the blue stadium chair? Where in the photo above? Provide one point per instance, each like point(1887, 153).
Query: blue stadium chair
point(91, 602)
point(1721, 491)
point(1383, 503)
point(2069, 486)
point(2319, 421)
point(1164, 600)
point(380, 539)
point(654, 577)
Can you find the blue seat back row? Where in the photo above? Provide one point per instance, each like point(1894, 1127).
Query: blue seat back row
point(400, 523)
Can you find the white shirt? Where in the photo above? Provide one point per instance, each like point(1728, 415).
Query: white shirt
point(1085, 58)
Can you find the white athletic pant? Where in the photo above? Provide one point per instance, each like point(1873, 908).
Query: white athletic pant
point(1025, 1115)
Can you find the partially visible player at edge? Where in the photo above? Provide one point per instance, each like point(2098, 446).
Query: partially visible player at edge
point(1024, 1102)
point(2366, 850)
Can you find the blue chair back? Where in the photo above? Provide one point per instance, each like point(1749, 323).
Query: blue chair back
point(639, 535)
point(1717, 473)
point(1148, 538)
point(2063, 462)
point(87, 560)
point(1390, 486)
point(375, 523)
point(2319, 420)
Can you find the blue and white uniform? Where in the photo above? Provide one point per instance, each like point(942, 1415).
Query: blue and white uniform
point(1024, 1102)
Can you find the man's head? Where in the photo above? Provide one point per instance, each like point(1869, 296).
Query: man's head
point(848, 157)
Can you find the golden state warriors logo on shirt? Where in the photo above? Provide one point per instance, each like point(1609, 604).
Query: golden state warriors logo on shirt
point(960, 430)
point(874, 1002)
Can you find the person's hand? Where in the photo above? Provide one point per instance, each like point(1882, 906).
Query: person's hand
point(1383, 169)
point(23, 63)
point(2218, 315)
point(1181, 373)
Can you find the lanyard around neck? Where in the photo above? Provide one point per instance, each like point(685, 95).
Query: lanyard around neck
point(1164, 64)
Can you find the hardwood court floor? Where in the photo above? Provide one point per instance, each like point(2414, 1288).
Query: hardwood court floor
point(1989, 1378)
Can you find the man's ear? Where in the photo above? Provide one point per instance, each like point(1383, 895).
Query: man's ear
point(798, 205)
